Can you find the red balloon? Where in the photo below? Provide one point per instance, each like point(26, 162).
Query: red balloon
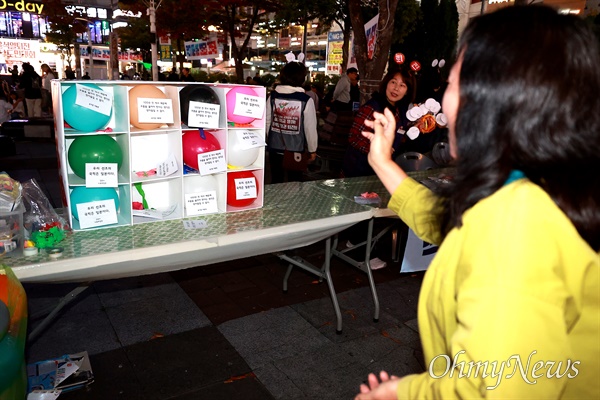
point(194, 144)
point(232, 191)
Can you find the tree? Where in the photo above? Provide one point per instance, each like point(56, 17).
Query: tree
point(63, 28)
point(372, 68)
point(181, 20)
point(238, 18)
point(136, 36)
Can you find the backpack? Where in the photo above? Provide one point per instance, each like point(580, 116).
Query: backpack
point(36, 82)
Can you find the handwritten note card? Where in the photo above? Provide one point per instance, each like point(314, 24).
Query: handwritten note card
point(93, 99)
point(203, 115)
point(201, 203)
point(212, 162)
point(155, 110)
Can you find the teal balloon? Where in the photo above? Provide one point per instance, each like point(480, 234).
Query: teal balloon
point(93, 149)
point(82, 194)
point(79, 117)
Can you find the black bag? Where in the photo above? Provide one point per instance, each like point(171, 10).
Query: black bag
point(295, 160)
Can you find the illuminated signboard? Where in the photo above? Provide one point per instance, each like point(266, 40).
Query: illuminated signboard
point(22, 6)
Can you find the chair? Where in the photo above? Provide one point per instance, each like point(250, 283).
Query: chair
point(441, 154)
point(413, 161)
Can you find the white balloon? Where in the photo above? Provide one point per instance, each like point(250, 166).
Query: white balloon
point(237, 155)
point(199, 183)
point(441, 119)
point(413, 132)
point(410, 116)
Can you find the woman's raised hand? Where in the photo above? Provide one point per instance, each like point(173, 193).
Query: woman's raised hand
point(380, 154)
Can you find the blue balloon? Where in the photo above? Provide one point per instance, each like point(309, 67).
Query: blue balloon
point(82, 194)
point(82, 118)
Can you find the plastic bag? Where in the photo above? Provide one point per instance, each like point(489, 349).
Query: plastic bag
point(45, 226)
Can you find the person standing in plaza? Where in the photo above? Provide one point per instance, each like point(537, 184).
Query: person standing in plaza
point(31, 83)
point(291, 122)
point(341, 100)
point(186, 76)
point(3, 66)
point(47, 76)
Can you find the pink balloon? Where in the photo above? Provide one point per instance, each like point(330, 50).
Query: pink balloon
point(193, 144)
point(230, 99)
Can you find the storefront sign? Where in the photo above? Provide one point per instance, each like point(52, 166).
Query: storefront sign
point(16, 50)
point(22, 6)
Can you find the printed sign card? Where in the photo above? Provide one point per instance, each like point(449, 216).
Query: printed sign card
point(195, 224)
point(249, 139)
point(168, 167)
point(248, 106)
point(101, 175)
point(97, 213)
point(245, 188)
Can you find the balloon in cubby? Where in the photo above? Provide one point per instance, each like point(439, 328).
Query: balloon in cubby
point(80, 117)
point(199, 184)
point(93, 149)
point(232, 199)
point(82, 194)
point(198, 93)
point(237, 155)
point(143, 92)
point(230, 99)
point(194, 143)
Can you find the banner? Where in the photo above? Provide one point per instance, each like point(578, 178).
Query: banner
point(371, 34)
point(17, 51)
point(103, 53)
point(200, 50)
point(335, 43)
point(165, 52)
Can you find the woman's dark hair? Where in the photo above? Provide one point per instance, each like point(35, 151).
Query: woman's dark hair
point(408, 79)
point(529, 84)
point(293, 74)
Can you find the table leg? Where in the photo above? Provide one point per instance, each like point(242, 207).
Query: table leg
point(323, 273)
point(69, 297)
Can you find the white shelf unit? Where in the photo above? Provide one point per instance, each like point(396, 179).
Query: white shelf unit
point(145, 150)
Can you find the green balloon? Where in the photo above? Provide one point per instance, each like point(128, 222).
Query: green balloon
point(93, 149)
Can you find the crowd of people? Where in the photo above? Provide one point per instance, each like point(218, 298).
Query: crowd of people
point(27, 94)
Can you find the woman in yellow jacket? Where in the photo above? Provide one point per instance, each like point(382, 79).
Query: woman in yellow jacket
point(510, 306)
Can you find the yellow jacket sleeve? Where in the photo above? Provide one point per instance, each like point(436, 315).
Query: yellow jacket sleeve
point(514, 313)
point(418, 208)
